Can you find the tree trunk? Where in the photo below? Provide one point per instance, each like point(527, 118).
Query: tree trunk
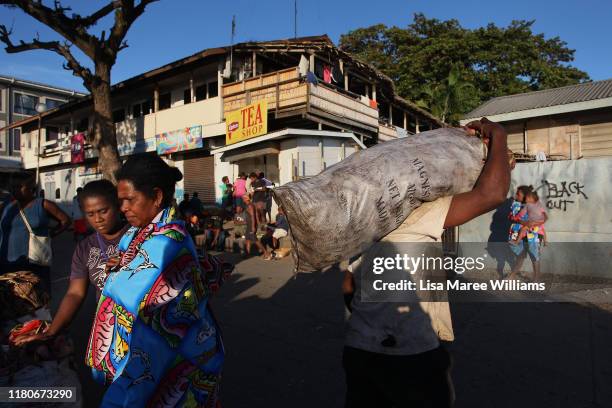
point(104, 136)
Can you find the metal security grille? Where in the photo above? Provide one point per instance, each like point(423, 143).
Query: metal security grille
point(200, 176)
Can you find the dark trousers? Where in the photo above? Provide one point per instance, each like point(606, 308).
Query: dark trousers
point(382, 380)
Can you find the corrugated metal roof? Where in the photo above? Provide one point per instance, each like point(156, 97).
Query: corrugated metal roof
point(588, 91)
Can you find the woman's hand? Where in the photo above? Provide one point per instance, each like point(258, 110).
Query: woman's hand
point(36, 337)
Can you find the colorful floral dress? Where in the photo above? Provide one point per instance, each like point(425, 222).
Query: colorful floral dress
point(154, 338)
point(516, 215)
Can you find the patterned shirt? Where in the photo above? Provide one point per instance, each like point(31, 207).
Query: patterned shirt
point(516, 215)
point(90, 256)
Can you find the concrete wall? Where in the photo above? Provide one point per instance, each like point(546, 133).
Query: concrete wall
point(288, 153)
point(134, 135)
point(67, 181)
point(315, 154)
point(223, 169)
point(577, 195)
point(197, 113)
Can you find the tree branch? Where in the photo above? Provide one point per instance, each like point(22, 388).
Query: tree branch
point(55, 19)
point(125, 16)
point(55, 46)
point(57, 4)
point(93, 18)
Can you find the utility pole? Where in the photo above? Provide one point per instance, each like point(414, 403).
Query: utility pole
point(232, 43)
point(295, 19)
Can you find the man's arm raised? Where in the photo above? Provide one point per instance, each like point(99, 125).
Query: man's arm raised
point(491, 188)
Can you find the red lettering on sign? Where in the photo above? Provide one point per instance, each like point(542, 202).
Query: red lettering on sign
point(258, 115)
point(251, 117)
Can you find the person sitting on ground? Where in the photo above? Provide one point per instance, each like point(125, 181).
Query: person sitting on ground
point(281, 226)
point(215, 234)
point(251, 228)
point(536, 214)
point(240, 226)
point(100, 206)
point(193, 226)
point(276, 231)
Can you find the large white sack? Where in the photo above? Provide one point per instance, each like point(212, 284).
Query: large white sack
point(343, 210)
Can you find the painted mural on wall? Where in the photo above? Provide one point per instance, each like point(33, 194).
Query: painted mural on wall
point(135, 147)
point(179, 140)
point(89, 170)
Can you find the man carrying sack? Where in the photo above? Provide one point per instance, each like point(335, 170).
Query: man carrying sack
point(392, 355)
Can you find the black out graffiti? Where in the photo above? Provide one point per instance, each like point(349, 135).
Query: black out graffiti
point(563, 194)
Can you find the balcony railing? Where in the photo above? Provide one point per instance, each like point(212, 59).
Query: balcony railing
point(287, 94)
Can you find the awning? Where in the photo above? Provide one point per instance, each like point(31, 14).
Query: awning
point(10, 163)
point(264, 144)
point(251, 151)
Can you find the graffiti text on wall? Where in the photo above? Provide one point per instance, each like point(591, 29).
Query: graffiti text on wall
point(562, 195)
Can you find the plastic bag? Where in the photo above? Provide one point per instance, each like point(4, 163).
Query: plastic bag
point(343, 210)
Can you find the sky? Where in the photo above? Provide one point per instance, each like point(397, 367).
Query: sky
point(173, 29)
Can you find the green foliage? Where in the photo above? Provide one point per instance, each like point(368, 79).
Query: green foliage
point(450, 69)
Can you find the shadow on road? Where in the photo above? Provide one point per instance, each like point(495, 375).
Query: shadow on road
point(284, 341)
point(283, 337)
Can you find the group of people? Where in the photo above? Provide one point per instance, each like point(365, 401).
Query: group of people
point(154, 340)
point(256, 186)
point(248, 203)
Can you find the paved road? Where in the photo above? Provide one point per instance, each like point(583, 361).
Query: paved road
point(284, 343)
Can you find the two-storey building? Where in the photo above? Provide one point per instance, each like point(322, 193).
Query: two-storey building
point(289, 108)
point(18, 101)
